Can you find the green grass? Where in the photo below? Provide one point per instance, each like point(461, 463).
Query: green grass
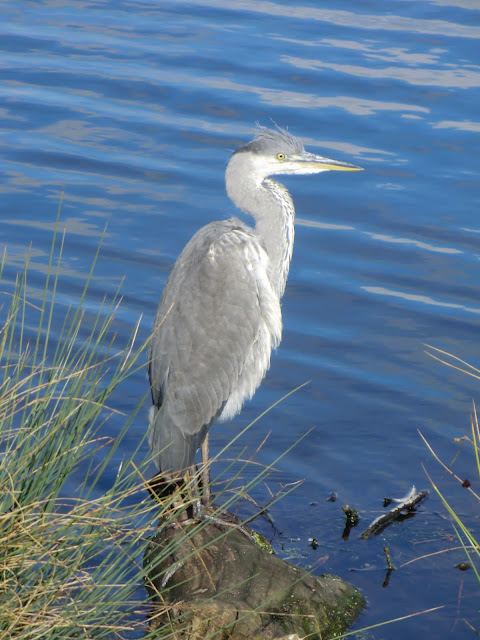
point(467, 537)
point(69, 565)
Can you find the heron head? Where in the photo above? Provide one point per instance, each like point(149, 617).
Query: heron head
point(276, 151)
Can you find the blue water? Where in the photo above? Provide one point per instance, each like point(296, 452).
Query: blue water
point(134, 109)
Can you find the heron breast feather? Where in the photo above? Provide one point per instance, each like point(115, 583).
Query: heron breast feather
point(216, 325)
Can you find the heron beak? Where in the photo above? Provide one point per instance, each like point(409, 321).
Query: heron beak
point(326, 164)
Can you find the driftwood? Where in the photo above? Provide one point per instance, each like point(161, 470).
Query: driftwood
point(210, 581)
point(407, 503)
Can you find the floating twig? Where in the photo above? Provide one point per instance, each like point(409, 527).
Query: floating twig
point(403, 504)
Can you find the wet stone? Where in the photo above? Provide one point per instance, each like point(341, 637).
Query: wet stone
point(208, 581)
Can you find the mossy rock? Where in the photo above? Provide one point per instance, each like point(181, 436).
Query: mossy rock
point(207, 582)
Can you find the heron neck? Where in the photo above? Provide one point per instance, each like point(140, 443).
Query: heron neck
point(275, 227)
point(272, 208)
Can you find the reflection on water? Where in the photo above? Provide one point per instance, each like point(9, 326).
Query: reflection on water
point(420, 298)
point(133, 110)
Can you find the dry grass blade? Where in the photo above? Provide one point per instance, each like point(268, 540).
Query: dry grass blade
point(447, 469)
point(456, 363)
point(431, 555)
point(383, 624)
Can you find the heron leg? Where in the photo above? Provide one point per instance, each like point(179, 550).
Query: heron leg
point(207, 494)
point(195, 497)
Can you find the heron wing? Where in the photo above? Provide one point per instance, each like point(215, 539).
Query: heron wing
point(216, 323)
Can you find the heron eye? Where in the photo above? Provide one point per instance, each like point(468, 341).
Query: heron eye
point(280, 156)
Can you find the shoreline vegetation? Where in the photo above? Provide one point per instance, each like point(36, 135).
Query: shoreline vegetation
point(66, 559)
point(72, 565)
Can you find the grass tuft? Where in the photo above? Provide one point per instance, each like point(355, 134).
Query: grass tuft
point(69, 566)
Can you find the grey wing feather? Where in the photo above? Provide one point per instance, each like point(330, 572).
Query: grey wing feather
point(212, 315)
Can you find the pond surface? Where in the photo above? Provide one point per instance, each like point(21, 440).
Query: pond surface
point(133, 108)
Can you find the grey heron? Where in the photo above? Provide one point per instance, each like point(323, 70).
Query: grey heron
point(219, 316)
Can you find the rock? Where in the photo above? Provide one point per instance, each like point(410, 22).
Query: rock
point(207, 581)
